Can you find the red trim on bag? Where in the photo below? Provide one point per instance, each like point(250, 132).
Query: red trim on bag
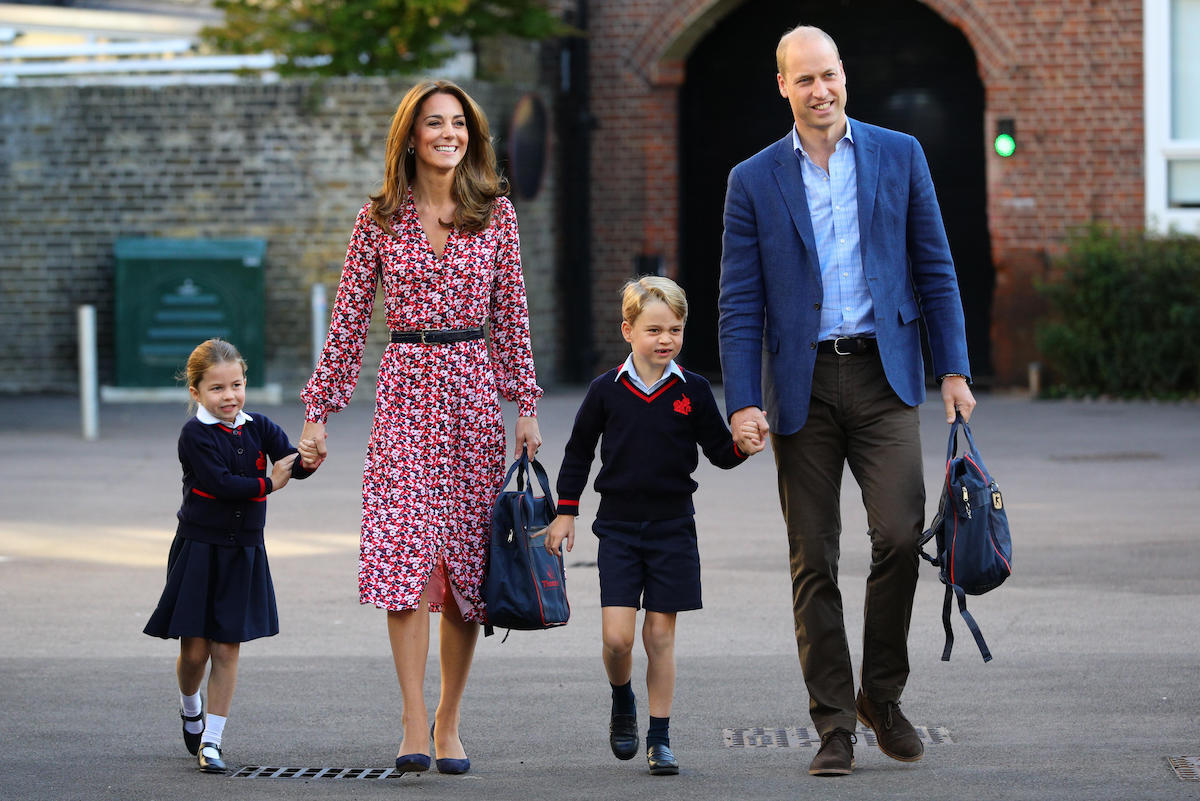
point(203, 494)
point(987, 479)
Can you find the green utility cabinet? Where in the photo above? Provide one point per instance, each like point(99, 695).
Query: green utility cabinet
point(172, 294)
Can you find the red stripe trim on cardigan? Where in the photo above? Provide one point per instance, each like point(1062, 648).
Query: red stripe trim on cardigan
point(647, 398)
point(565, 502)
point(203, 494)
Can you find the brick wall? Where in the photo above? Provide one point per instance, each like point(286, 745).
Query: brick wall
point(1069, 73)
point(291, 162)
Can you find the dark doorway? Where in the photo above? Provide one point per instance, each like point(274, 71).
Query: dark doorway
point(906, 69)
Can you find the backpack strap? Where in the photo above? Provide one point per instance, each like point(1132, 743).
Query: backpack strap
point(951, 591)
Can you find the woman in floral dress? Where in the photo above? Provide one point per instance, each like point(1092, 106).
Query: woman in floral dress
point(443, 240)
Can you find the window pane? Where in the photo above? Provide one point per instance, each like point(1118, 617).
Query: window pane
point(1183, 184)
point(1185, 69)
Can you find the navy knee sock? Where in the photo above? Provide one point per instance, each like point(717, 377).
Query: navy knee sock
point(624, 702)
point(659, 733)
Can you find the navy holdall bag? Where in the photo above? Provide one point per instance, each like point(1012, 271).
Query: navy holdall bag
point(974, 547)
point(524, 585)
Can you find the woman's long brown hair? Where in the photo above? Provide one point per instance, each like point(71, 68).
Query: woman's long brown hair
point(477, 182)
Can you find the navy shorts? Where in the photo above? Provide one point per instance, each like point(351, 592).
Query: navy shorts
point(652, 564)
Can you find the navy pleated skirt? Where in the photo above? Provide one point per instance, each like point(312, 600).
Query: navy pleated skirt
point(219, 592)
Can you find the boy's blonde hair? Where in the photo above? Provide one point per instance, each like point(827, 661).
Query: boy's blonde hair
point(640, 291)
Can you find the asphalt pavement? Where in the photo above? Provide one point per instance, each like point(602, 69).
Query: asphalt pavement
point(1095, 684)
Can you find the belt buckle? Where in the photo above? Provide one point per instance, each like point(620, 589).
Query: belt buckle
point(837, 350)
point(423, 342)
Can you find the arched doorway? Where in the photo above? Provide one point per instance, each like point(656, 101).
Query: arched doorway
point(906, 69)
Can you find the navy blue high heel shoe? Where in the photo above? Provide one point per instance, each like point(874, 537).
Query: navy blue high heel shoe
point(412, 763)
point(447, 765)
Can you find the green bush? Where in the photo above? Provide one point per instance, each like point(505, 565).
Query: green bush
point(1125, 316)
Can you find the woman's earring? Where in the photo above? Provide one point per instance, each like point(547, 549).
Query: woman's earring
point(411, 150)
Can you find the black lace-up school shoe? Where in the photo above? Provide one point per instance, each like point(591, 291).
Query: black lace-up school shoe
point(623, 736)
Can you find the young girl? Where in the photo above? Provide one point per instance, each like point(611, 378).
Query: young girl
point(219, 592)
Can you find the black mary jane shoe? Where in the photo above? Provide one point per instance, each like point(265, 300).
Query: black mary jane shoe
point(192, 741)
point(662, 761)
point(623, 736)
point(209, 758)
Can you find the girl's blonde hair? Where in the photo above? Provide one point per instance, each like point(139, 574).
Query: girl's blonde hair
point(205, 355)
point(477, 182)
point(640, 291)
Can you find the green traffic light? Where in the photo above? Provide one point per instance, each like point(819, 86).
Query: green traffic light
point(1005, 145)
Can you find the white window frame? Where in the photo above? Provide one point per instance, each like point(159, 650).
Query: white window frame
point(1160, 147)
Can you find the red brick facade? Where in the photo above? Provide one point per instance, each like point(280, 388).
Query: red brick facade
point(1069, 73)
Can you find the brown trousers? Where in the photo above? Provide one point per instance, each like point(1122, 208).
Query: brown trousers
point(854, 418)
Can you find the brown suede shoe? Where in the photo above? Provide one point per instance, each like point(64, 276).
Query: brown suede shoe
point(836, 757)
point(896, 736)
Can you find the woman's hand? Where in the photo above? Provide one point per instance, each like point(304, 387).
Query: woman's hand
point(315, 432)
point(528, 436)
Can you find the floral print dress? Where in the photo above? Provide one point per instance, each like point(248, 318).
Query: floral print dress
point(436, 455)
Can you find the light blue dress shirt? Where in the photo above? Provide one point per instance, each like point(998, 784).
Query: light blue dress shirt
point(628, 369)
point(846, 308)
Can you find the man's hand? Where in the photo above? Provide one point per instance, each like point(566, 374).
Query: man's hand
point(750, 418)
point(957, 397)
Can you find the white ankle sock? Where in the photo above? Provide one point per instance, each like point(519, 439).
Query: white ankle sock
point(191, 707)
point(214, 729)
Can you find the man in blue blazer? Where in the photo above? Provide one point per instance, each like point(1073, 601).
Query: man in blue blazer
point(833, 251)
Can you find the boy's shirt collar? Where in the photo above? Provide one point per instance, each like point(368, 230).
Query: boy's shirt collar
point(628, 368)
point(210, 419)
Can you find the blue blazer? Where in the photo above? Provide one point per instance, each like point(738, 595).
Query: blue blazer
point(771, 276)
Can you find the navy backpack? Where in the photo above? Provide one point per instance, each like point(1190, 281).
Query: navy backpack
point(974, 549)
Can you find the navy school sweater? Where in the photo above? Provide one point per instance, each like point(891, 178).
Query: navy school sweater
point(647, 447)
point(226, 479)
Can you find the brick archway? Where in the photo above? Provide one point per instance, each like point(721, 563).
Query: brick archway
point(1080, 159)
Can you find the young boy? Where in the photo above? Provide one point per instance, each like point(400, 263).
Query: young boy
point(649, 415)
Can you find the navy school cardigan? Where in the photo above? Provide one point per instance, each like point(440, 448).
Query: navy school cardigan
point(226, 479)
point(647, 447)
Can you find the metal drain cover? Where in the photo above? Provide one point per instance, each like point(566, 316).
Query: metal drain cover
point(269, 772)
point(1187, 768)
point(807, 737)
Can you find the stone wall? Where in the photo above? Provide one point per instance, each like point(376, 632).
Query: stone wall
point(290, 161)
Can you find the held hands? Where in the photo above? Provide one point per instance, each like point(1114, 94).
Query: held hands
point(308, 453)
point(562, 528)
point(956, 395)
point(749, 441)
point(281, 472)
point(747, 420)
point(312, 444)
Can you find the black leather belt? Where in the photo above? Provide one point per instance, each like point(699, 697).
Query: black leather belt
point(847, 346)
point(443, 336)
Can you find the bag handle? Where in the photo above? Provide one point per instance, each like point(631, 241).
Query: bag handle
point(952, 444)
point(524, 464)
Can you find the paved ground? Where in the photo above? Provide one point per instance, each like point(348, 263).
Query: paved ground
point(1096, 680)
